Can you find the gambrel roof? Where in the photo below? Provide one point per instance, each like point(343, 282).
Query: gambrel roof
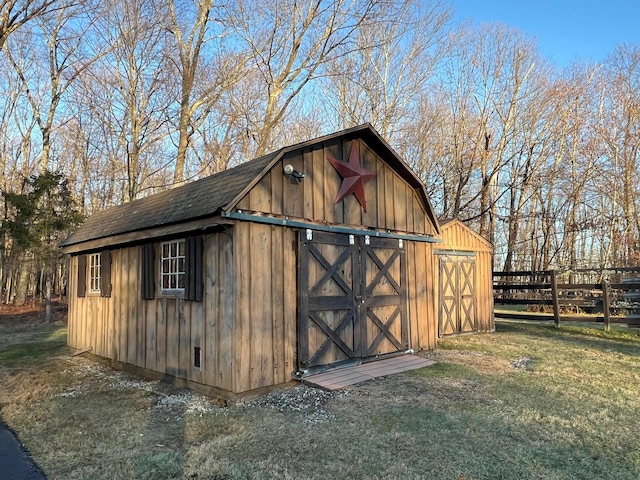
point(210, 196)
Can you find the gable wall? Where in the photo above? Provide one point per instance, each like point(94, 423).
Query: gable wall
point(457, 236)
point(392, 204)
point(265, 333)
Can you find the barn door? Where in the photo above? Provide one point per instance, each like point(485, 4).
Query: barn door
point(384, 297)
point(352, 298)
point(457, 295)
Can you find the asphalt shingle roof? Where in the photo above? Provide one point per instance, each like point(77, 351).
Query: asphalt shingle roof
point(199, 199)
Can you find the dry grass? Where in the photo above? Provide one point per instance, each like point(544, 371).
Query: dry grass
point(526, 402)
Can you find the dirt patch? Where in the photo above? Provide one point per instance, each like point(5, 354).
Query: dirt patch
point(16, 318)
point(482, 362)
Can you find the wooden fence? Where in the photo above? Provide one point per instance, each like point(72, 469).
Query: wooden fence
point(571, 295)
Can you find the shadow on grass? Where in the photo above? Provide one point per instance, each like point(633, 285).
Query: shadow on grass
point(627, 343)
point(36, 352)
point(474, 446)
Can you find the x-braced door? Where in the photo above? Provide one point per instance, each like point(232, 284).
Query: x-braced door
point(352, 298)
point(457, 295)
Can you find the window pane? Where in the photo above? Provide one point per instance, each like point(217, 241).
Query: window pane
point(173, 265)
point(94, 272)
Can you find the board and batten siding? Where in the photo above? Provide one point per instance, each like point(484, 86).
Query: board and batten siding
point(422, 288)
point(265, 328)
point(265, 332)
point(160, 334)
point(265, 255)
point(392, 204)
point(458, 237)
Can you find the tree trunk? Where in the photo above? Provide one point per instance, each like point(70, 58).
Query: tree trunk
point(47, 310)
point(22, 286)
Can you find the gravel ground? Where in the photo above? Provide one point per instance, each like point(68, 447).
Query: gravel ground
point(302, 399)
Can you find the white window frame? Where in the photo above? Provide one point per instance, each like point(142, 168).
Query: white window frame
point(94, 277)
point(172, 266)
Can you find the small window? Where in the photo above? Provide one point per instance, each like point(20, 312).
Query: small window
point(172, 266)
point(95, 273)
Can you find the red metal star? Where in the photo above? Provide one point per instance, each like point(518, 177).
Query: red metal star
point(354, 176)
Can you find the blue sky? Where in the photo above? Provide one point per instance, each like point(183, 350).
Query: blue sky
point(566, 30)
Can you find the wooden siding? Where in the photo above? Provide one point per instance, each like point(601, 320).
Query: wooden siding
point(422, 288)
point(392, 204)
point(458, 237)
point(246, 325)
point(160, 334)
point(265, 330)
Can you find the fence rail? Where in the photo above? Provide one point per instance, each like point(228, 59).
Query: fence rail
point(604, 301)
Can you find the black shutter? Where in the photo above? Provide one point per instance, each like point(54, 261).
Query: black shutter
point(148, 272)
point(193, 286)
point(105, 280)
point(82, 276)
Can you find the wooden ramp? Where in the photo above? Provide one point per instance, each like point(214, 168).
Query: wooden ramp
point(343, 377)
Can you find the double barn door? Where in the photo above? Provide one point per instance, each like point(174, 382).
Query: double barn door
point(352, 298)
point(457, 295)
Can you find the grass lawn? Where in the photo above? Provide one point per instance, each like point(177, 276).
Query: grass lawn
point(527, 402)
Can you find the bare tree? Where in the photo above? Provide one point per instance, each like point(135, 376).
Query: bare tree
point(205, 65)
point(15, 13)
point(61, 46)
point(131, 89)
point(620, 134)
point(395, 61)
point(289, 43)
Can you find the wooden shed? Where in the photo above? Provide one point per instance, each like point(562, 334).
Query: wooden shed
point(464, 270)
point(317, 254)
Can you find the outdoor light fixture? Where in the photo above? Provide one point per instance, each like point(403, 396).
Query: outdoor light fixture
point(295, 177)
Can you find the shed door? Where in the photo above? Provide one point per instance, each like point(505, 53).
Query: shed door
point(457, 295)
point(352, 298)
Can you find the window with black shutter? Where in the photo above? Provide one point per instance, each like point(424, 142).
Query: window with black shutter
point(180, 269)
point(94, 274)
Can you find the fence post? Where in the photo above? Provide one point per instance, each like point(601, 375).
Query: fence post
point(606, 304)
point(554, 298)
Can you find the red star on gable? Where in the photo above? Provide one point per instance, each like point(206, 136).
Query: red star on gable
point(354, 176)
